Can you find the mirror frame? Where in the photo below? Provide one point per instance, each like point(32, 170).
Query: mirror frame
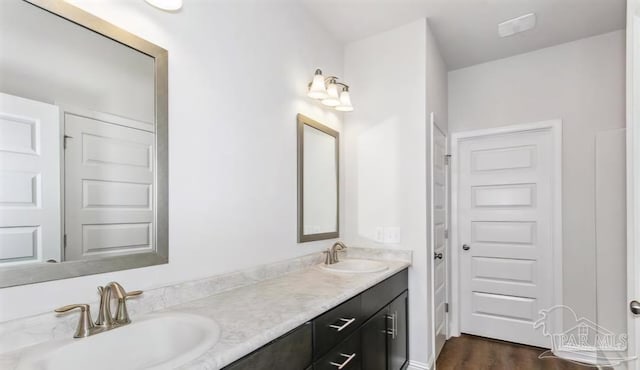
point(29, 274)
point(306, 121)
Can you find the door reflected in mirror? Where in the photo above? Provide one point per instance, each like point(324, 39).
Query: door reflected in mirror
point(82, 145)
point(318, 179)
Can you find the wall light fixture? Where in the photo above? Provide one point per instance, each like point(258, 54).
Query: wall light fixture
point(330, 92)
point(168, 5)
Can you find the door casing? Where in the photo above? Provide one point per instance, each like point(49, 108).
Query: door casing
point(555, 127)
point(633, 177)
point(432, 240)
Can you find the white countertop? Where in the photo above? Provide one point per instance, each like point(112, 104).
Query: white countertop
point(253, 315)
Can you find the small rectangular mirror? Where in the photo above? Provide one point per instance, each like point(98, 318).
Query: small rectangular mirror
point(318, 179)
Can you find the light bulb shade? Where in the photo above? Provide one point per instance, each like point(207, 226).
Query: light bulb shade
point(318, 90)
point(345, 102)
point(170, 5)
point(332, 99)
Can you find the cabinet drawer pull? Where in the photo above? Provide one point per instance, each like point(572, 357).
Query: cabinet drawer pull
point(394, 325)
point(347, 322)
point(346, 362)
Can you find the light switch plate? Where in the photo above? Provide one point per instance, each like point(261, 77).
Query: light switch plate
point(392, 235)
point(380, 234)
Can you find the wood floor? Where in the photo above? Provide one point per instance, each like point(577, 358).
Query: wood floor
point(469, 352)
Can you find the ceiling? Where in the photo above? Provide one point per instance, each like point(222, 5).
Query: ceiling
point(467, 30)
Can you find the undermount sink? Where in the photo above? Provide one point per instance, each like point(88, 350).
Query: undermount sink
point(356, 266)
point(156, 341)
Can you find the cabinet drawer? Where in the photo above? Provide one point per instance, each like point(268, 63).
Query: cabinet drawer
point(334, 326)
point(346, 356)
point(291, 351)
point(377, 297)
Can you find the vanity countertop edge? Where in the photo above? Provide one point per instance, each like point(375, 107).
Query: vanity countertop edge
point(286, 303)
point(254, 315)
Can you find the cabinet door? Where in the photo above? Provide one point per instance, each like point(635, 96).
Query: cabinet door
point(374, 342)
point(291, 351)
point(398, 338)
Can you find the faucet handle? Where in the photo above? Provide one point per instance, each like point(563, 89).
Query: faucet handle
point(85, 325)
point(327, 257)
point(82, 307)
point(122, 316)
point(121, 293)
point(133, 293)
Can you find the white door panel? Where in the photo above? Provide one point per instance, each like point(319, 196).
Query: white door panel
point(438, 229)
point(503, 269)
point(633, 178)
point(29, 181)
point(517, 195)
point(109, 191)
point(505, 217)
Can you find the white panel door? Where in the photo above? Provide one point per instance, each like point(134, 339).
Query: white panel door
point(611, 230)
point(438, 237)
point(29, 181)
point(633, 180)
point(505, 233)
point(108, 189)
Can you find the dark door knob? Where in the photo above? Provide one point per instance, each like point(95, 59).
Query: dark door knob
point(635, 307)
point(437, 256)
point(466, 247)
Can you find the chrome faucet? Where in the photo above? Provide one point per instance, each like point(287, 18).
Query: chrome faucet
point(332, 253)
point(122, 316)
point(106, 321)
point(104, 315)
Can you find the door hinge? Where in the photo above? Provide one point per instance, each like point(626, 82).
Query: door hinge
point(446, 307)
point(64, 141)
point(64, 240)
point(447, 159)
point(446, 233)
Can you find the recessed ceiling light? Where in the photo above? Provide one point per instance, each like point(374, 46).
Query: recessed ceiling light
point(170, 5)
point(517, 25)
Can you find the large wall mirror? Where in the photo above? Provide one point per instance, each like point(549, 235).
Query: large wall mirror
point(318, 169)
point(83, 145)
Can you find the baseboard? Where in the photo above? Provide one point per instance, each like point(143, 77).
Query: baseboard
point(586, 355)
point(415, 365)
point(593, 357)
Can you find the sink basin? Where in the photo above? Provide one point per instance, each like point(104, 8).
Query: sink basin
point(356, 266)
point(156, 341)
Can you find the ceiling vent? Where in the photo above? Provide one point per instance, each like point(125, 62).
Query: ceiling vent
point(517, 25)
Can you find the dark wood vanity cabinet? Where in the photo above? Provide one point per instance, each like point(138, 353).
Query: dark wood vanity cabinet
point(374, 342)
point(347, 355)
point(385, 337)
point(398, 336)
point(291, 351)
point(367, 332)
point(336, 325)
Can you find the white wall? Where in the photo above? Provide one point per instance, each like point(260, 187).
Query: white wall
point(234, 91)
point(582, 83)
point(395, 74)
point(437, 82)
